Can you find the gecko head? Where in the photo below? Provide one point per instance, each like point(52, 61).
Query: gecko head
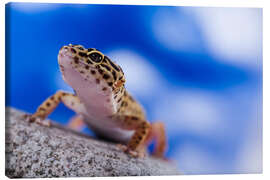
point(91, 65)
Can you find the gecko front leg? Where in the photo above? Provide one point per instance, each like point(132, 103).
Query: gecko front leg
point(142, 128)
point(47, 107)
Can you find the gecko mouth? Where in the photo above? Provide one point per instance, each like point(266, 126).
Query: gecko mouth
point(65, 53)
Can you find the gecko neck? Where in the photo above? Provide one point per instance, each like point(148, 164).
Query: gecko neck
point(96, 97)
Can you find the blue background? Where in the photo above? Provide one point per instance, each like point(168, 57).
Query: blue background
point(199, 70)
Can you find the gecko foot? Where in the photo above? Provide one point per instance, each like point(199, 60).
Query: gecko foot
point(32, 119)
point(163, 158)
point(135, 154)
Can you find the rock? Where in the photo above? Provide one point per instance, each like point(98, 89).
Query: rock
point(37, 151)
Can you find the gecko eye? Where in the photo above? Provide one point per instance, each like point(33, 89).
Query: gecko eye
point(96, 57)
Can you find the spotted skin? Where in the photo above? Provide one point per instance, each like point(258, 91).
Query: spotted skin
point(102, 102)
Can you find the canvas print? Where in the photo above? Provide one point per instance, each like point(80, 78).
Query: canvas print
point(132, 90)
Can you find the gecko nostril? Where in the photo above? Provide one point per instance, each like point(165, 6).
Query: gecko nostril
point(63, 51)
point(63, 47)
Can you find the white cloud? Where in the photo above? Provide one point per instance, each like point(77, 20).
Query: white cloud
point(173, 31)
point(249, 158)
point(233, 34)
point(194, 160)
point(34, 7)
point(195, 111)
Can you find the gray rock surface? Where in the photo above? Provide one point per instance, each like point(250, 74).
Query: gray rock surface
point(36, 151)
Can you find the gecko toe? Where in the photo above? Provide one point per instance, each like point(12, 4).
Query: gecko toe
point(133, 153)
point(29, 118)
point(46, 123)
point(33, 119)
point(122, 147)
point(136, 154)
